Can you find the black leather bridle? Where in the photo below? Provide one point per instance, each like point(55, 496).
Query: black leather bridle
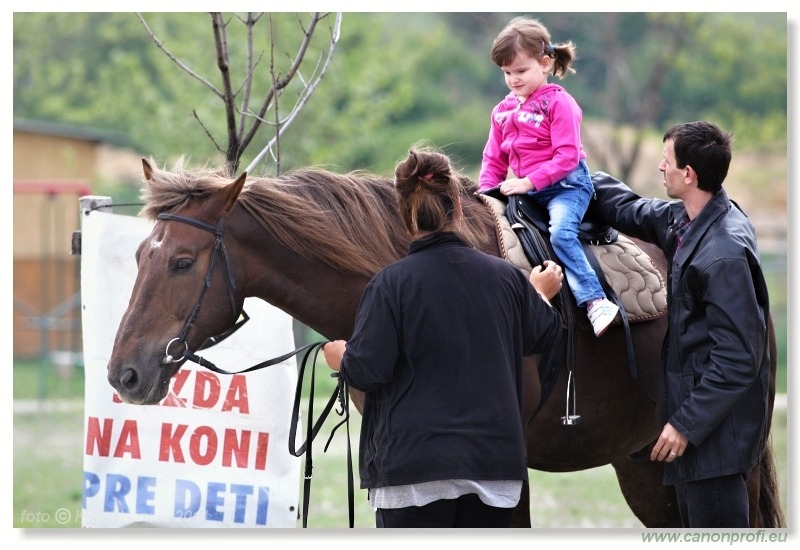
point(310, 352)
point(219, 249)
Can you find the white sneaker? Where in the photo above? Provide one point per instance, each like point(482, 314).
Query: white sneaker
point(601, 314)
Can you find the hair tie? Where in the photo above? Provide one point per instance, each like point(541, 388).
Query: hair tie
point(552, 48)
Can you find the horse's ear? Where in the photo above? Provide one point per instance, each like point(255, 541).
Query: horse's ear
point(148, 170)
point(232, 191)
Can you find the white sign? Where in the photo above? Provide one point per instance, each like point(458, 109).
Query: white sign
point(214, 453)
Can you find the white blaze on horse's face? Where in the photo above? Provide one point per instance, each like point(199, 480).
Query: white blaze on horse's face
point(156, 244)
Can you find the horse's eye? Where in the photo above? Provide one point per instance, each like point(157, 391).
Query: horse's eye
point(183, 264)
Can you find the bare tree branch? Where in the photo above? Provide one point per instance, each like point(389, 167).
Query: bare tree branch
point(308, 91)
point(177, 61)
point(283, 82)
point(221, 42)
point(241, 123)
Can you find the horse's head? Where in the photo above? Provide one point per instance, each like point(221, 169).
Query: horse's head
point(185, 290)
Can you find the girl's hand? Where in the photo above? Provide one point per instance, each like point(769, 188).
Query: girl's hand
point(516, 186)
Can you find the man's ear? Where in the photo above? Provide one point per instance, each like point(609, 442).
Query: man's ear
point(689, 174)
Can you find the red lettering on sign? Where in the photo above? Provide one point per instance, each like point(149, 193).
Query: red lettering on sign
point(171, 442)
point(179, 379)
point(97, 436)
point(206, 390)
point(235, 447)
point(210, 436)
point(261, 451)
point(237, 395)
point(128, 440)
point(238, 446)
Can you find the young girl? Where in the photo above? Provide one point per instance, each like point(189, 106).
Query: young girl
point(535, 132)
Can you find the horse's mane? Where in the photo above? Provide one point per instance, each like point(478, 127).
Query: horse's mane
point(349, 221)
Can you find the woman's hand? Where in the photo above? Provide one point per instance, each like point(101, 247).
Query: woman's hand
point(547, 281)
point(333, 352)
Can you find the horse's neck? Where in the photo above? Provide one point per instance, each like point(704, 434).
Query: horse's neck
point(309, 290)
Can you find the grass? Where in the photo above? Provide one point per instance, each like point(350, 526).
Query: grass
point(42, 380)
point(48, 466)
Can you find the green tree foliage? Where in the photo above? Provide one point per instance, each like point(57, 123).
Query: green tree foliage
point(400, 78)
point(735, 74)
point(388, 89)
point(102, 69)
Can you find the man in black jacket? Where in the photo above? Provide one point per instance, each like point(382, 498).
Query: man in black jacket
point(715, 378)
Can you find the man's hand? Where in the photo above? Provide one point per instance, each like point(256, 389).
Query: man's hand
point(670, 445)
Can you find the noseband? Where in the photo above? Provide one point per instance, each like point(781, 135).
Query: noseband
point(219, 249)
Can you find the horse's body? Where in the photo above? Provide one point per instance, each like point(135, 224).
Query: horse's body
point(308, 243)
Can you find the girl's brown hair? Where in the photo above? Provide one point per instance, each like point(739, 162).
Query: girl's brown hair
point(527, 35)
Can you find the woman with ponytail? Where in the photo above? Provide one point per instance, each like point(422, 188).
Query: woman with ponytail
point(437, 350)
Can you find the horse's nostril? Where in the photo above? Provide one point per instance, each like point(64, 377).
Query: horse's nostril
point(129, 379)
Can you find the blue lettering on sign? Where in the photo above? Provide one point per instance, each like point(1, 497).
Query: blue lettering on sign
point(91, 486)
point(117, 487)
point(263, 506)
point(220, 501)
point(190, 490)
point(188, 497)
point(241, 492)
point(145, 494)
point(214, 501)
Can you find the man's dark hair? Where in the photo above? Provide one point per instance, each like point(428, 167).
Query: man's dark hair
point(706, 148)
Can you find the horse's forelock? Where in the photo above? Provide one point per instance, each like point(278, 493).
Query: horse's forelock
point(173, 190)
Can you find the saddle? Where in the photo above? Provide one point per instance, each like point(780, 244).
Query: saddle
point(625, 272)
point(623, 265)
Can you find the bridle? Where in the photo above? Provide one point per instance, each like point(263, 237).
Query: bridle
point(310, 352)
point(219, 249)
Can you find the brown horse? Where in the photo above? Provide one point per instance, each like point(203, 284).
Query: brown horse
point(308, 242)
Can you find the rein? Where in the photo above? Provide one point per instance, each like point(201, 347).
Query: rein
point(339, 394)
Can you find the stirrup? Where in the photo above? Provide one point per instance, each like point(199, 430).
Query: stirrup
point(570, 419)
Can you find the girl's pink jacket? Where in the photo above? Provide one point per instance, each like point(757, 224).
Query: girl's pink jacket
point(540, 138)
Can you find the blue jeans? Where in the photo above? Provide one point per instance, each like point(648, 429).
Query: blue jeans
point(567, 201)
point(715, 502)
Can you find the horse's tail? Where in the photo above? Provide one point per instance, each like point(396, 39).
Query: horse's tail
point(770, 512)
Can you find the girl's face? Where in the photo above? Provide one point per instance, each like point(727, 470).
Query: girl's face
point(526, 74)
